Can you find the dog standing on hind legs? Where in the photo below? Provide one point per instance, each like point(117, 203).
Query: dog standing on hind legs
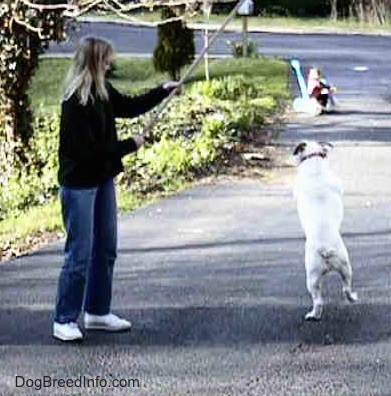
point(318, 192)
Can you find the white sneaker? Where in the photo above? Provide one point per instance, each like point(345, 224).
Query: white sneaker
point(67, 331)
point(109, 322)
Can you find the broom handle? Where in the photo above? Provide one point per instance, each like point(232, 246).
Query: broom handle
point(193, 65)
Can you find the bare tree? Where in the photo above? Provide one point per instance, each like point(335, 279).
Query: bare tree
point(376, 12)
point(370, 11)
point(333, 10)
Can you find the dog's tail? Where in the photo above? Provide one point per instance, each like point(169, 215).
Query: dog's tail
point(327, 254)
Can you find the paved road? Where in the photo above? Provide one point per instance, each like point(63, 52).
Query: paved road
point(336, 54)
point(213, 280)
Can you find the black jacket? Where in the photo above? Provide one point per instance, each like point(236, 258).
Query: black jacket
point(89, 150)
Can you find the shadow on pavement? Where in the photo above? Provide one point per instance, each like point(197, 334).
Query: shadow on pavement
point(352, 133)
point(208, 245)
point(214, 326)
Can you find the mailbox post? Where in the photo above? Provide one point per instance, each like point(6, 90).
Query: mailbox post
point(245, 10)
point(207, 8)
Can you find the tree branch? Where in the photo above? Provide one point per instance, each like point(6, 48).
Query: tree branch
point(76, 8)
point(48, 7)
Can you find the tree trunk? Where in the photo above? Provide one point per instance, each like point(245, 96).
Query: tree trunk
point(380, 11)
point(7, 140)
point(333, 10)
point(373, 11)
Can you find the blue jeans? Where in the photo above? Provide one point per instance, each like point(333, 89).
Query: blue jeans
point(90, 219)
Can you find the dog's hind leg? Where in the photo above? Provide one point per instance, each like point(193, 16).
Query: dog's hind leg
point(314, 275)
point(314, 286)
point(345, 270)
point(346, 274)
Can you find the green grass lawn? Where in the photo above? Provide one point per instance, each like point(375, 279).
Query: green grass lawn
point(46, 88)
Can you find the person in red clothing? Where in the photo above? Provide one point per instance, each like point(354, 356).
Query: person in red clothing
point(89, 159)
point(320, 89)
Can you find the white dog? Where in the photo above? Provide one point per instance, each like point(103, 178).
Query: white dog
point(318, 192)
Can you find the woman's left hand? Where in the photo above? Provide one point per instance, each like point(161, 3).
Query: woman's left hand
point(171, 85)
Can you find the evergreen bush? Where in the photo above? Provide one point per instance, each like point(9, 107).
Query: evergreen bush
point(175, 47)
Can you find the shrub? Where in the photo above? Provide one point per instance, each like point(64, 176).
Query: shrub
point(175, 47)
point(37, 181)
point(232, 88)
point(197, 130)
point(237, 48)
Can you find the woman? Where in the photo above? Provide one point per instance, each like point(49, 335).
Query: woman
point(89, 159)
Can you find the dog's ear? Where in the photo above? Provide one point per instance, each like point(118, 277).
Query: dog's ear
point(326, 146)
point(300, 148)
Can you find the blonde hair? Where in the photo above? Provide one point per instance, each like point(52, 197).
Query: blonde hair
point(88, 67)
